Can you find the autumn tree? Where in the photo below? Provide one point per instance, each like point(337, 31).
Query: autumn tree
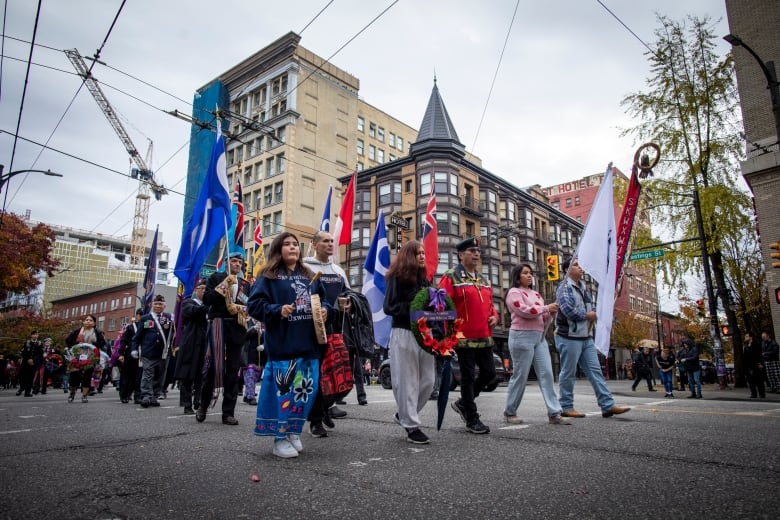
point(691, 110)
point(16, 328)
point(629, 328)
point(25, 252)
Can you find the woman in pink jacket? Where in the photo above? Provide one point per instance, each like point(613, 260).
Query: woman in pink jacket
point(527, 345)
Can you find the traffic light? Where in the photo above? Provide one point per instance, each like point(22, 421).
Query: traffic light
point(775, 256)
point(552, 268)
point(726, 330)
point(700, 307)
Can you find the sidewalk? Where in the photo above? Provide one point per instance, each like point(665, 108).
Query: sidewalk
point(712, 392)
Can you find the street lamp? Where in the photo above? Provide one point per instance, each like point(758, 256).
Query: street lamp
point(5, 176)
point(768, 68)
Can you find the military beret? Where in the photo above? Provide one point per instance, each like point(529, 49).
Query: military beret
point(467, 243)
point(236, 254)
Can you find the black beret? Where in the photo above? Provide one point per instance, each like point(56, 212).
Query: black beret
point(467, 243)
point(159, 298)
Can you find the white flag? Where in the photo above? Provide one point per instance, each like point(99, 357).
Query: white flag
point(597, 255)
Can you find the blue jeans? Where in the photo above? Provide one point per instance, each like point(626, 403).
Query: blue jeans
point(527, 347)
point(666, 380)
point(582, 352)
point(694, 382)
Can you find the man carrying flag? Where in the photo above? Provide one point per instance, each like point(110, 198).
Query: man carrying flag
point(576, 318)
point(209, 220)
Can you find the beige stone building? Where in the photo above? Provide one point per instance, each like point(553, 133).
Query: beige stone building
point(755, 23)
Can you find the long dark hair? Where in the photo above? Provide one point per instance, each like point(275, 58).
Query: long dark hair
point(514, 276)
point(405, 267)
point(275, 263)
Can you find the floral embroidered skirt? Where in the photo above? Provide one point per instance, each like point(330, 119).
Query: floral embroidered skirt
point(286, 396)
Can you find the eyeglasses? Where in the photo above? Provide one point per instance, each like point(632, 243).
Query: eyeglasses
point(473, 250)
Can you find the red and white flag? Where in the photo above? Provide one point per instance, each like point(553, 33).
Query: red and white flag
point(342, 232)
point(430, 237)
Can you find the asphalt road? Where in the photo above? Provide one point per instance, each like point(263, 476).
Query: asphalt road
point(681, 458)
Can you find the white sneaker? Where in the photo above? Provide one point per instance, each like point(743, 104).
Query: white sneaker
point(295, 440)
point(283, 449)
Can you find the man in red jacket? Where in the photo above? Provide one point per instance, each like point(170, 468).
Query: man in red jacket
point(473, 298)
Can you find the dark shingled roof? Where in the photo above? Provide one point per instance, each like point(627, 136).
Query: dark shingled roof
point(436, 129)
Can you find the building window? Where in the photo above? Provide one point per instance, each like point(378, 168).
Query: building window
point(390, 193)
point(371, 129)
point(556, 204)
point(361, 124)
point(528, 221)
point(266, 226)
point(363, 201)
point(488, 199)
point(391, 139)
point(511, 245)
point(268, 196)
point(372, 152)
point(568, 202)
point(280, 163)
point(391, 157)
point(278, 192)
point(400, 144)
point(360, 237)
point(278, 222)
point(576, 200)
point(448, 223)
point(408, 186)
point(281, 134)
point(360, 146)
point(360, 166)
point(269, 167)
point(380, 134)
point(380, 156)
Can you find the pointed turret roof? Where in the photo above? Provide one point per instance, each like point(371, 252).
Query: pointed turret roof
point(436, 130)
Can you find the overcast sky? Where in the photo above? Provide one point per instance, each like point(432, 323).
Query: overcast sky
point(554, 113)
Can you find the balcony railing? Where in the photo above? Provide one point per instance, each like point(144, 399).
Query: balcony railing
point(474, 206)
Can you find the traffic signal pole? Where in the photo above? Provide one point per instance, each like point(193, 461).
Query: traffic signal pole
point(717, 347)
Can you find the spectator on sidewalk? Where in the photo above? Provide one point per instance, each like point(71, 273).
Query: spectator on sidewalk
point(771, 354)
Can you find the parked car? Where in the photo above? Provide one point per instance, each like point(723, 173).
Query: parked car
point(709, 374)
point(385, 378)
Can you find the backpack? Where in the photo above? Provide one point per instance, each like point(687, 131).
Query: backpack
point(358, 325)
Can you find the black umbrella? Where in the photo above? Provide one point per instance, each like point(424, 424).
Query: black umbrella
point(444, 390)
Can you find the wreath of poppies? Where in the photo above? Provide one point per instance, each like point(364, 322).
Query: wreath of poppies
point(53, 362)
point(83, 357)
point(424, 334)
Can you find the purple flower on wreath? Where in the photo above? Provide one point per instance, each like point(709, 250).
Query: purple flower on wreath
point(303, 392)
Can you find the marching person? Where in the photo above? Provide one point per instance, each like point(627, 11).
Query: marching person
point(473, 298)
point(575, 344)
point(281, 298)
point(643, 363)
point(528, 346)
point(412, 367)
point(334, 280)
point(771, 354)
point(689, 356)
point(31, 350)
point(82, 367)
point(153, 340)
point(192, 349)
point(754, 366)
point(226, 295)
point(129, 358)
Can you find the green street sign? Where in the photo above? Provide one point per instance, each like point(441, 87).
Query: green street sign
point(647, 255)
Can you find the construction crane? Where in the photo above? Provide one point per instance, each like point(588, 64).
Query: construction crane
point(146, 182)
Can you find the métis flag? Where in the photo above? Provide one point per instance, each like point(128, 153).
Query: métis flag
point(597, 255)
point(325, 224)
point(374, 287)
point(342, 233)
point(150, 277)
point(209, 220)
point(430, 237)
point(258, 259)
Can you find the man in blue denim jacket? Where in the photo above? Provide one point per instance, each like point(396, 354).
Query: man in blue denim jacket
point(575, 344)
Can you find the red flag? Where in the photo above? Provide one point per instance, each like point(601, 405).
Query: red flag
point(343, 230)
point(430, 239)
point(626, 222)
